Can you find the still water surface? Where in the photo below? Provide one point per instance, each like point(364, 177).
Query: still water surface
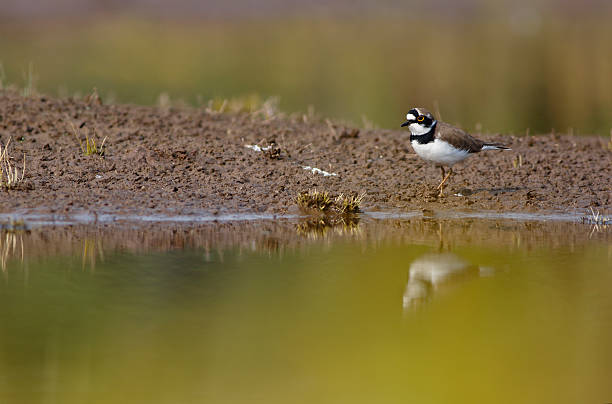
point(383, 311)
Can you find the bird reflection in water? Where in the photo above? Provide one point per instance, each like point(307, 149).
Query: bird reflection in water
point(433, 274)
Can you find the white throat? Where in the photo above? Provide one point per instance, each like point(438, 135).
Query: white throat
point(419, 130)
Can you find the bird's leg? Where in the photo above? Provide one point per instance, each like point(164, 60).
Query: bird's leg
point(443, 174)
point(441, 186)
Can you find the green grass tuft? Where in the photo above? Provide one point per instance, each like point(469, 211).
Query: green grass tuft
point(315, 200)
point(89, 146)
point(348, 205)
point(322, 202)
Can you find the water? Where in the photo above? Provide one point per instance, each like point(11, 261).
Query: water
point(407, 310)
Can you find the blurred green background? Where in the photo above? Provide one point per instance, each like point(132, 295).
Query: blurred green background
point(488, 66)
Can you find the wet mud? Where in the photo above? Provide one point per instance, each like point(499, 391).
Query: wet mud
point(190, 161)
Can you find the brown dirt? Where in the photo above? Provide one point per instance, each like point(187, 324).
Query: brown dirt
point(192, 161)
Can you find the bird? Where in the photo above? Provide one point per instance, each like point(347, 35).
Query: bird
point(442, 143)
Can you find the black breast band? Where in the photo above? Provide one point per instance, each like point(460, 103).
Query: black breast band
point(425, 138)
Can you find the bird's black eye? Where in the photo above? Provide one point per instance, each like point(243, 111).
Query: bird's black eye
point(421, 118)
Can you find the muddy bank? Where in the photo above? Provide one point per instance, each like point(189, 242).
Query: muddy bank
point(186, 161)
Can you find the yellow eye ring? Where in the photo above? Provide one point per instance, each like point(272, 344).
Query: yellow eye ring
point(420, 119)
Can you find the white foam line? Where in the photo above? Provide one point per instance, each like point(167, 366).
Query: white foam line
point(37, 219)
point(316, 170)
point(90, 218)
point(561, 217)
point(393, 215)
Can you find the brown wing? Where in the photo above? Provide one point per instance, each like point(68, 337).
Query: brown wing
point(457, 137)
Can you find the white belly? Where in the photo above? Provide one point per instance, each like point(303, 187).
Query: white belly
point(439, 152)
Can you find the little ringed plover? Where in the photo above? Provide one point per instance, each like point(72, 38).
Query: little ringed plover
point(442, 143)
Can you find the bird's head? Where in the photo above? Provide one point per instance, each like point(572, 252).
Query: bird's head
point(419, 121)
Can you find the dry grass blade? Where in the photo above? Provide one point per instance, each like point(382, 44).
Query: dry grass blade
point(252, 105)
point(599, 222)
point(29, 78)
point(93, 98)
point(11, 242)
point(9, 174)
point(597, 218)
point(2, 77)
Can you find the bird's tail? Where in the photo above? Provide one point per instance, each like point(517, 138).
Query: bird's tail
point(494, 146)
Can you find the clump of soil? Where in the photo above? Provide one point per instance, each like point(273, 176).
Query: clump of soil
point(187, 161)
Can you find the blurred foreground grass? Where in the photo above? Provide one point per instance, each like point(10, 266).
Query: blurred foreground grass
point(489, 74)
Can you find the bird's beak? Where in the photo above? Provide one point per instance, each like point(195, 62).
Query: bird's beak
point(405, 124)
